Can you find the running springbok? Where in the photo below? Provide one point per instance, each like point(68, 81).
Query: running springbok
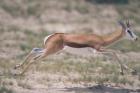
point(56, 42)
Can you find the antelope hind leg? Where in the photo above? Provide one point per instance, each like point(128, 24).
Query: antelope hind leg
point(29, 57)
point(34, 60)
point(41, 53)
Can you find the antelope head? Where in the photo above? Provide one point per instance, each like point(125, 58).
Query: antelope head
point(128, 30)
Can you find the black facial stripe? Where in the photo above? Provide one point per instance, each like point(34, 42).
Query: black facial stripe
point(130, 33)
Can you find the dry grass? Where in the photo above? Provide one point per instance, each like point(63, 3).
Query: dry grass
point(69, 69)
point(24, 25)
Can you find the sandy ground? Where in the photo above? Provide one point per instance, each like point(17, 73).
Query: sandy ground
point(76, 17)
point(92, 89)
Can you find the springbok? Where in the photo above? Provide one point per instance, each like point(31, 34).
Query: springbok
point(56, 42)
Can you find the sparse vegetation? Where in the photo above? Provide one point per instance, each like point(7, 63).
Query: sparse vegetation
point(5, 90)
point(25, 23)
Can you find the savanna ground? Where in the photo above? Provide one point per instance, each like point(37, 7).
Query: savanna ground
point(24, 24)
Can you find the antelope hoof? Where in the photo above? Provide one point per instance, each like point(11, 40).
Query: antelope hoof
point(18, 74)
point(134, 72)
point(17, 66)
point(122, 73)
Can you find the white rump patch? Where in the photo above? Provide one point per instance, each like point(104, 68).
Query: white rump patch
point(45, 39)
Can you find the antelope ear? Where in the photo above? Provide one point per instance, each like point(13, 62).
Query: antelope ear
point(122, 24)
point(127, 23)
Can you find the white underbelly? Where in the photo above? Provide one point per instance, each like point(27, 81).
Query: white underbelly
point(80, 51)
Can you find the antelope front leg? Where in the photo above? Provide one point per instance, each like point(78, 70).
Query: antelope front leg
point(122, 66)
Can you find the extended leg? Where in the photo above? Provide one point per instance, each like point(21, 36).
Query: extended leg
point(30, 56)
point(40, 55)
point(34, 60)
point(122, 66)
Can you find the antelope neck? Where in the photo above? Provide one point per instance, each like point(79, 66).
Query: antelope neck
point(112, 37)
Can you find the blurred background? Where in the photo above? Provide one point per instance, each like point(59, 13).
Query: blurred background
point(25, 23)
